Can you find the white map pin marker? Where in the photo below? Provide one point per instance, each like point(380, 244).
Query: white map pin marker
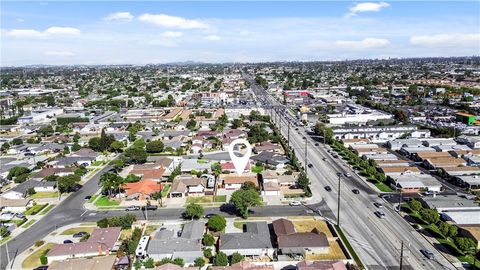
point(240, 162)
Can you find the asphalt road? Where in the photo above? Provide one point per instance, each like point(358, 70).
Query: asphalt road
point(377, 241)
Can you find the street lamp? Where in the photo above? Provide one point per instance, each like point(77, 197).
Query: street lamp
point(338, 200)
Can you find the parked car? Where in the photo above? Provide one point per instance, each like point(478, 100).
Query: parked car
point(328, 188)
point(378, 205)
point(347, 174)
point(88, 197)
point(295, 203)
point(79, 234)
point(132, 208)
point(150, 207)
point(316, 144)
point(310, 165)
point(67, 241)
point(179, 233)
point(324, 159)
point(20, 215)
point(355, 191)
point(427, 253)
point(43, 267)
point(380, 214)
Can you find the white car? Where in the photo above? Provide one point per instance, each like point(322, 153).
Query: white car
point(295, 203)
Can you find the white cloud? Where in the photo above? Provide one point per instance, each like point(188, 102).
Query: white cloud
point(62, 30)
point(367, 7)
point(367, 43)
point(24, 33)
point(172, 34)
point(119, 16)
point(213, 37)
point(32, 33)
point(59, 53)
point(447, 40)
point(172, 21)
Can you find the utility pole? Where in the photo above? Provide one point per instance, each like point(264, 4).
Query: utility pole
point(306, 164)
point(338, 201)
point(288, 133)
point(323, 136)
point(401, 256)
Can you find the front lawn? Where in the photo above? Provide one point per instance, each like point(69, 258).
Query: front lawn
point(47, 209)
point(257, 169)
point(29, 223)
point(97, 163)
point(40, 195)
point(93, 198)
point(75, 230)
point(207, 199)
point(35, 209)
point(33, 260)
point(105, 201)
point(165, 190)
point(383, 187)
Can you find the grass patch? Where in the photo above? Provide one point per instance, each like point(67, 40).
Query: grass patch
point(35, 209)
point(19, 222)
point(105, 201)
point(97, 163)
point(33, 260)
point(125, 234)
point(5, 239)
point(29, 223)
point(239, 224)
point(202, 161)
point(40, 195)
point(92, 198)
point(383, 187)
point(207, 199)
point(335, 252)
point(349, 247)
point(47, 209)
point(165, 190)
point(78, 229)
point(469, 259)
point(309, 225)
point(257, 169)
point(150, 229)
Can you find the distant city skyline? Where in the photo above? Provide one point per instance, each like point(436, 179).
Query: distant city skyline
point(92, 33)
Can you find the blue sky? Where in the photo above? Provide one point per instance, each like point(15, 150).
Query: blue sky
point(124, 32)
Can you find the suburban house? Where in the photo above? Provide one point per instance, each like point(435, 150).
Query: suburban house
point(198, 165)
point(270, 158)
point(267, 146)
point(255, 242)
point(244, 265)
point(394, 172)
point(95, 263)
point(70, 161)
point(14, 205)
point(141, 190)
point(167, 163)
point(321, 265)
point(20, 191)
point(165, 244)
point(434, 163)
point(150, 171)
point(418, 183)
point(187, 185)
point(228, 166)
point(52, 171)
point(291, 242)
point(171, 266)
point(234, 181)
point(459, 171)
point(100, 242)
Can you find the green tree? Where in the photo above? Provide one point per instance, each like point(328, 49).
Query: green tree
point(45, 131)
point(220, 259)
point(31, 191)
point(76, 137)
point(179, 261)
point(258, 133)
point(76, 147)
point(243, 199)
point(137, 264)
point(321, 130)
point(116, 146)
point(5, 147)
point(208, 253)
point(17, 141)
point(110, 182)
point(415, 205)
point(136, 155)
point(17, 171)
point(236, 258)
point(199, 262)
point(95, 144)
point(208, 240)
point(465, 244)
point(431, 216)
point(236, 123)
point(193, 210)
point(67, 182)
point(149, 263)
point(192, 124)
point(154, 147)
point(217, 223)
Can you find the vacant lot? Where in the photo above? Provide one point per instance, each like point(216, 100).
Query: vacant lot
point(33, 260)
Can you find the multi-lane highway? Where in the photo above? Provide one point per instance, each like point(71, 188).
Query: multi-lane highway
point(377, 241)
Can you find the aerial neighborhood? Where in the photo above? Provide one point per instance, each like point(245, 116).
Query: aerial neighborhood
point(131, 167)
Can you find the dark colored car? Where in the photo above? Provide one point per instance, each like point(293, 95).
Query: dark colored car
point(380, 214)
point(43, 267)
point(378, 205)
point(316, 144)
point(310, 165)
point(328, 188)
point(355, 191)
point(427, 253)
point(132, 208)
point(79, 234)
point(150, 207)
point(88, 197)
point(67, 241)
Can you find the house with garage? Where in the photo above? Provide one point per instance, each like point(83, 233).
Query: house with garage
point(235, 181)
point(20, 190)
point(291, 242)
point(270, 158)
point(255, 242)
point(187, 185)
point(228, 166)
point(142, 190)
point(52, 171)
point(15, 205)
point(198, 165)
